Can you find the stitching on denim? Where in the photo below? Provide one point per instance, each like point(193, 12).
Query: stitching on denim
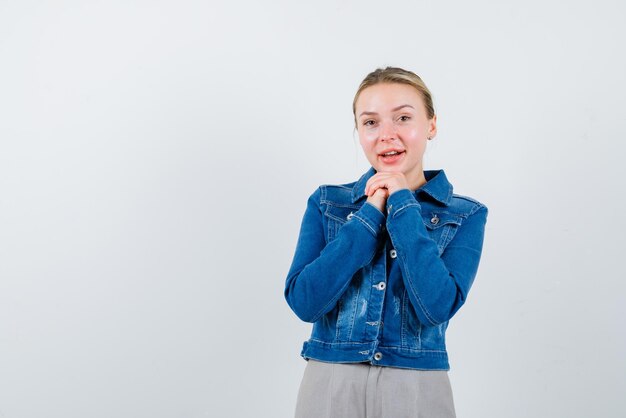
point(454, 218)
point(336, 218)
point(446, 212)
point(468, 198)
point(356, 306)
point(365, 223)
point(476, 209)
point(386, 347)
point(337, 324)
point(444, 237)
point(449, 195)
point(341, 342)
point(401, 208)
point(339, 186)
point(335, 299)
point(368, 277)
point(319, 313)
point(417, 296)
point(339, 205)
point(395, 348)
point(403, 321)
point(330, 236)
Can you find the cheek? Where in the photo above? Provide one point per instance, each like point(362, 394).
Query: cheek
point(367, 139)
point(415, 136)
point(410, 132)
point(367, 150)
point(368, 134)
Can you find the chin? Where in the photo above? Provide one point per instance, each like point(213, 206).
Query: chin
point(388, 169)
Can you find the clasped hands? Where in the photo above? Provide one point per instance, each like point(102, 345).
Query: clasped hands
point(381, 185)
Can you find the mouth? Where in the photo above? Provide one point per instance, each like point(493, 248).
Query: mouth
point(391, 156)
point(390, 153)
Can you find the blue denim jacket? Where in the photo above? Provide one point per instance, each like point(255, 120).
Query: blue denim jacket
point(381, 287)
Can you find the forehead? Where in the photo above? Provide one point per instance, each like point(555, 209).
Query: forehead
point(389, 95)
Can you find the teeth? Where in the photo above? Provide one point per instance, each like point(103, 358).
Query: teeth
point(391, 153)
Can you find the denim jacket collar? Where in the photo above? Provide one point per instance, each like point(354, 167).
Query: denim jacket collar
point(437, 186)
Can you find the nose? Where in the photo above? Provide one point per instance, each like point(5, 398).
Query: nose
point(387, 131)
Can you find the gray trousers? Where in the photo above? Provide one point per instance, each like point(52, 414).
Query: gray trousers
point(362, 390)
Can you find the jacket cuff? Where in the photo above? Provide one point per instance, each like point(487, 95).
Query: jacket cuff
point(371, 217)
point(401, 200)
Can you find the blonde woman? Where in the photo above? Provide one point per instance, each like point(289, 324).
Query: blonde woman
point(382, 264)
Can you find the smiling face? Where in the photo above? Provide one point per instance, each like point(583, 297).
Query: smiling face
point(393, 129)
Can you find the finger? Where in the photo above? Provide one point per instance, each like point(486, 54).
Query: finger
point(368, 185)
point(373, 187)
point(378, 180)
point(378, 188)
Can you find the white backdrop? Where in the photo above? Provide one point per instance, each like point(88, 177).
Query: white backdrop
point(155, 161)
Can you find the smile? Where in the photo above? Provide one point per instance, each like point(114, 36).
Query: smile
point(391, 153)
point(391, 157)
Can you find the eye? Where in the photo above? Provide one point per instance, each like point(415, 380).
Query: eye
point(369, 122)
point(404, 118)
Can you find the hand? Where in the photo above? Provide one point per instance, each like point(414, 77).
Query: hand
point(379, 199)
point(385, 180)
point(381, 185)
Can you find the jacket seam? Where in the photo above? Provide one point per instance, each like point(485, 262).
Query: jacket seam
point(372, 230)
point(428, 315)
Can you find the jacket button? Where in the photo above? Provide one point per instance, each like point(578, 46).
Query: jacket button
point(381, 286)
point(378, 356)
point(350, 216)
point(434, 220)
point(393, 253)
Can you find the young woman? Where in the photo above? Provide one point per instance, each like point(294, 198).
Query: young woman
point(382, 264)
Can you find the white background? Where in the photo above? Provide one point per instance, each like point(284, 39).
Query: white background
point(155, 161)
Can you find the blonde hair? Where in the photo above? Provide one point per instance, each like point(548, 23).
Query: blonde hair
point(400, 76)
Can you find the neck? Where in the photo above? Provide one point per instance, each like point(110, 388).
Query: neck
point(416, 180)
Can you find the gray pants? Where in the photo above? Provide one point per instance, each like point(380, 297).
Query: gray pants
point(362, 390)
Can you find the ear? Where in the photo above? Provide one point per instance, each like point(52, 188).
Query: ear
point(432, 127)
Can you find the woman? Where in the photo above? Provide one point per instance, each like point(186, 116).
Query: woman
point(382, 264)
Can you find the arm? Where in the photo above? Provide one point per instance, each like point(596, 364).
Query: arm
point(437, 285)
point(320, 273)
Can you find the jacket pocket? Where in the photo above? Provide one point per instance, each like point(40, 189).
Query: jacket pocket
point(441, 226)
point(351, 305)
point(336, 217)
point(410, 335)
point(434, 338)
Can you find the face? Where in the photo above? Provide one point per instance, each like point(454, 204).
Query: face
point(393, 128)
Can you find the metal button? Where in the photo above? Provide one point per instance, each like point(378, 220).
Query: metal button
point(378, 356)
point(350, 216)
point(393, 253)
point(434, 220)
point(381, 286)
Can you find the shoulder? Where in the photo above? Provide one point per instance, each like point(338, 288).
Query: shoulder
point(334, 193)
point(467, 204)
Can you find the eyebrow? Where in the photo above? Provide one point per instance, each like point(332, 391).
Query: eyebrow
point(393, 110)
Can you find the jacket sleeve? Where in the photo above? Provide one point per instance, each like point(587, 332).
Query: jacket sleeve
point(320, 272)
point(437, 285)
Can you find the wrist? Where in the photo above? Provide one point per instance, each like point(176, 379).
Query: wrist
point(398, 190)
